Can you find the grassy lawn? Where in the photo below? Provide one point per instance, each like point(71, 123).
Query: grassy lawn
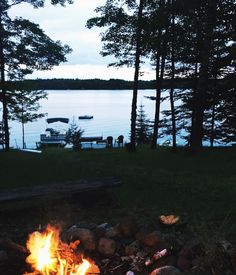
point(154, 182)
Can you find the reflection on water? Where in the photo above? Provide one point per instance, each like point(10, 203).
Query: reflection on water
point(111, 110)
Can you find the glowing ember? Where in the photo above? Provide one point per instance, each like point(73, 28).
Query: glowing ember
point(49, 256)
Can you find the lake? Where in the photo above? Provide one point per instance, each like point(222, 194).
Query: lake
point(111, 110)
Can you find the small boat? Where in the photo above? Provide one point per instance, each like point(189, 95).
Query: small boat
point(85, 117)
point(53, 137)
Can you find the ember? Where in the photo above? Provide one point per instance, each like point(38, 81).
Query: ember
point(50, 256)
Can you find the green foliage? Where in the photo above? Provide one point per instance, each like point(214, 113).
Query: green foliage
point(28, 48)
point(143, 127)
point(6, 4)
point(23, 107)
point(73, 136)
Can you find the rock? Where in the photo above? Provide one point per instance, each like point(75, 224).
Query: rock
point(166, 261)
point(86, 237)
point(153, 239)
point(128, 227)
point(191, 249)
point(183, 263)
point(233, 261)
point(173, 243)
point(112, 232)
point(132, 249)
point(86, 225)
point(106, 246)
point(166, 270)
point(3, 256)
point(104, 225)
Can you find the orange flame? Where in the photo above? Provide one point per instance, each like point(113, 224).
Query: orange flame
point(49, 256)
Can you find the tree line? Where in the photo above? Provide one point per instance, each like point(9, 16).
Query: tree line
point(181, 39)
point(93, 84)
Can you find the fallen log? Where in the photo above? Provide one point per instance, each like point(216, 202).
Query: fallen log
point(58, 189)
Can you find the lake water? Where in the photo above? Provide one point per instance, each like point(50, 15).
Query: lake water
point(111, 110)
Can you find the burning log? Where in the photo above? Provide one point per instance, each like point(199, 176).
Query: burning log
point(48, 255)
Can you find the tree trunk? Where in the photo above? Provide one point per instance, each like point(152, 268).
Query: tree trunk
point(157, 105)
point(172, 104)
point(3, 87)
point(23, 127)
point(213, 113)
point(212, 137)
point(193, 102)
point(200, 93)
point(161, 52)
point(136, 76)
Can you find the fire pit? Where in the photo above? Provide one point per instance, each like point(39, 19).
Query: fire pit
point(123, 249)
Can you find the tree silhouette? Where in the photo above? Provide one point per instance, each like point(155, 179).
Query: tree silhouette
point(24, 47)
point(24, 106)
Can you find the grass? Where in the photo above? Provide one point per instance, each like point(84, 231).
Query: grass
point(154, 182)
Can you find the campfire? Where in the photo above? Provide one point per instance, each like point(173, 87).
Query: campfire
point(50, 256)
point(122, 249)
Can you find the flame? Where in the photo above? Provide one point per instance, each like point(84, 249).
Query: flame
point(50, 256)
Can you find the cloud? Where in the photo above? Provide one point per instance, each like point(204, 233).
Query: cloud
point(67, 24)
point(89, 71)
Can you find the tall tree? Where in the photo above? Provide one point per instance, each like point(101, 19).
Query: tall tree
point(136, 74)
point(24, 106)
point(24, 47)
point(123, 40)
point(208, 21)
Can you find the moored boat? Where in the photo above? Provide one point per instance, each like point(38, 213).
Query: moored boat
point(53, 137)
point(85, 117)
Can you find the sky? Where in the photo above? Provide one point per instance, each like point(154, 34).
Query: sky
point(67, 24)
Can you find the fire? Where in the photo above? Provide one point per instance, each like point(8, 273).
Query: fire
point(50, 256)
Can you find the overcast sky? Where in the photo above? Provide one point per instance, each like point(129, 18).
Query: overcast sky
point(68, 25)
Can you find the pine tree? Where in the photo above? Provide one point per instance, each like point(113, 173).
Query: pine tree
point(143, 127)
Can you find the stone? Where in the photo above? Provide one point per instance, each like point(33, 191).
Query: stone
point(86, 237)
point(191, 249)
point(152, 239)
point(128, 227)
point(233, 261)
point(173, 243)
point(166, 261)
point(132, 249)
point(166, 270)
point(112, 232)
point(183, 263)
point(106, 246)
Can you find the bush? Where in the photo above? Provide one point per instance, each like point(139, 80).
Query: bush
point(73, 136)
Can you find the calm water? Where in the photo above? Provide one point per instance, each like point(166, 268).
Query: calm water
point(111, 110)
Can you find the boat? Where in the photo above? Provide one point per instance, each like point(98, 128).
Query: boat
point(53, 137)
point(85, 117)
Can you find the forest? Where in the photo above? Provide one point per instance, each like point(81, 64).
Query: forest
point(181, 39)
point(95, 84)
